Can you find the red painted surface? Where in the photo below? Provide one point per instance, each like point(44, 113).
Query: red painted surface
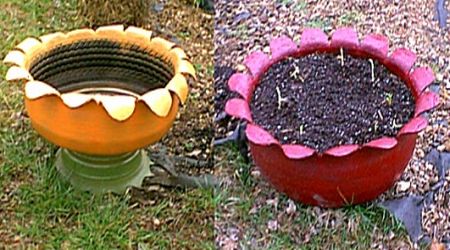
point(328, 181)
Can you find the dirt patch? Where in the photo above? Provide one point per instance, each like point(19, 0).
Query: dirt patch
point(321, 101)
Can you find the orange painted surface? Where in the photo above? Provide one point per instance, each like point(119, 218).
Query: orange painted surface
point(89, 129)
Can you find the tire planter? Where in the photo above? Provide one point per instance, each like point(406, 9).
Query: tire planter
point(345, 174)
point(101, 95)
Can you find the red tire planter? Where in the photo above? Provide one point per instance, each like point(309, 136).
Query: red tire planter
point(345, 174)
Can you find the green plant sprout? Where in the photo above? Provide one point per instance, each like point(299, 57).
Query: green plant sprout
point(389, 98)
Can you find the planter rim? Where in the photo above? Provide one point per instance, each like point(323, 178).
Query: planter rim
point(121, 106)
point(374, 46)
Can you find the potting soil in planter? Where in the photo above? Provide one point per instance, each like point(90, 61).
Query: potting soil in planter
point(323, 101)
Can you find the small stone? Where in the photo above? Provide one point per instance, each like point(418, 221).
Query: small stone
point(158, 7)
point(241, 67)
point(241, 17)
point(292, 208)
point(420, 153)
point(272, 225)
point(264, 18)
point(403, 185)
point(156, 222)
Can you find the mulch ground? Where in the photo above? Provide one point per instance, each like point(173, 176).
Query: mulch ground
point(245, 26)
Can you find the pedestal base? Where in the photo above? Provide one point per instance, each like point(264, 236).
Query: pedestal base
point(100, 174)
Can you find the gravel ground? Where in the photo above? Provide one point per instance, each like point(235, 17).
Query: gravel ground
point(245, 26)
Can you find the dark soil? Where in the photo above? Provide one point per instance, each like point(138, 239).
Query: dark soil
point(221, 92)
point(324, 104)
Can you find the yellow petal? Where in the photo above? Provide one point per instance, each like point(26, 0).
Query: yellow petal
point(81, 33)
point(161, 47)
point(179, 86)
point(139, 33)
point(29, 45)
point(36, 89)
point(17, 73)
point(75, 100)
point(118, 107)
point(160, 42)
point(111, 30)
point(178, 53)
point(185, 67)
point(53, 37)
point(15, 57)
point(159, 101)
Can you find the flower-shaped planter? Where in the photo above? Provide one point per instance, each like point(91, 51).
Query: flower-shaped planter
point(344, 174)
point(101, 95)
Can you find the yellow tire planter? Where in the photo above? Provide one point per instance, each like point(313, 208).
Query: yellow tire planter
point(101, 95)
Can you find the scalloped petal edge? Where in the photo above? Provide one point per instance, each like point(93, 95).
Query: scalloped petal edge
point(415, 125)
point(139, 32)
point(281, 47)
point(241, 83)
point(313, 39)
point(257, 62)
point(119, 108)
point(37, 89)
point(426, 101)
point(238, 108)
point(179, 86)
point(421, 78)
point(383, 143)
point(376, 45)
point(297, 152)
point(404, 59)
point(345, 37)
point(159, 101)
point(342, 150)
point(17, 73)
point(15, 57)
point(259, 136)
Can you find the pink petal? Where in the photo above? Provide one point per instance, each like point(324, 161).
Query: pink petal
point(238, 108)
point(242, 84)
point(383, 142)
point(257, 62)
point(313, 39)
point(414, 126)
point(421, 78)
point(281, 47)
point(297, 151)
point(342, 150)
point(345, 38)
point(404, 59)
point(376, 44)
point(426, 101)
point(259, 136)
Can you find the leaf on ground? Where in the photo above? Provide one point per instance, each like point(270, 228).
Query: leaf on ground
point(408, 210)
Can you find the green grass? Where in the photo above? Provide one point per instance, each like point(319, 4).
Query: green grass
point(356, 230)
point(40, 210)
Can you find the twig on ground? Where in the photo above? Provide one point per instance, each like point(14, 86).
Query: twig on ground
point(372, 67)
point(280, 98)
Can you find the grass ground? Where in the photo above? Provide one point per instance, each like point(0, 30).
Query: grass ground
point(37, 209)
